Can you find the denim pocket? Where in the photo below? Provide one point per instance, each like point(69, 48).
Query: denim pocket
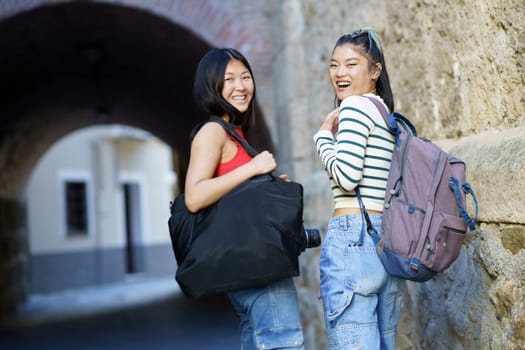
point(348, 268)
point(274, 316)
point(289, 339)
point(364, 272)
point(336, 297)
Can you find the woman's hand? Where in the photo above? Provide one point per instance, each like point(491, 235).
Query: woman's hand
point(263, 163)
point(330, 122)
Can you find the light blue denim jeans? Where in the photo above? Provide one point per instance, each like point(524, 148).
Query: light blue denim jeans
point(361, 300)
point(269, 316)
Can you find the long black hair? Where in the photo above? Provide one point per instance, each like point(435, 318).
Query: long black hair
point(367, 42)
point(209, 82)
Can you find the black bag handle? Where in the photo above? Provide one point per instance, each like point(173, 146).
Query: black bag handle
point(231, 130)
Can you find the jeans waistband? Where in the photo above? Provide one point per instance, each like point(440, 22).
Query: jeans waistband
point(354, 219)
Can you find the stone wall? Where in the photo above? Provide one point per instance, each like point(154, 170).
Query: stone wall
point(457, 71)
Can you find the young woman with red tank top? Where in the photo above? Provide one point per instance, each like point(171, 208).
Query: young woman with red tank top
point(224, 86)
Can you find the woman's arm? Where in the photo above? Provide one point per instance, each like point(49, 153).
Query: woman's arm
point(202, 188)
point(343, 157)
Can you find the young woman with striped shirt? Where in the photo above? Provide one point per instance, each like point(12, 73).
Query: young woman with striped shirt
point(361, 301)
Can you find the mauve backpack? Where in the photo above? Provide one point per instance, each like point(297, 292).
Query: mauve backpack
point(424, 216)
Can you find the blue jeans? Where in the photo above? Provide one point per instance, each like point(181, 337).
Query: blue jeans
point(269, 316)
point(361, 300)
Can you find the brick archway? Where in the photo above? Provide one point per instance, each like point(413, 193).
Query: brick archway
point(209, 22)
point(145, 54)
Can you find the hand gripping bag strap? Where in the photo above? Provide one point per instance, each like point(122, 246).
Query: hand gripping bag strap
point(231, 130)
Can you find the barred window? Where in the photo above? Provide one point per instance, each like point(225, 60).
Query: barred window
point(76, 208)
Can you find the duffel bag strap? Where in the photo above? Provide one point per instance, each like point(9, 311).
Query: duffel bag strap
point(231, 130)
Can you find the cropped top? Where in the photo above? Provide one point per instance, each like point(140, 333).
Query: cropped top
point(241, 157)
point(360, 154)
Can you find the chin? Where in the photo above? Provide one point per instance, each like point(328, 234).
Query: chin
point(241, 109)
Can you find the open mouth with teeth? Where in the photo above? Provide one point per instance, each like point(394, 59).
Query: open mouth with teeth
point(240, 101)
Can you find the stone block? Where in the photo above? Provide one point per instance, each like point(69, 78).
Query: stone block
point(496, 171)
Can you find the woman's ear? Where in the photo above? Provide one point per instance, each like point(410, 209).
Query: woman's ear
point(377, 71)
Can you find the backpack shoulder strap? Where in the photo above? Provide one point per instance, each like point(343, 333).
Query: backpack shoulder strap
point(369, 227)
point(382, 109)
point(393, 119)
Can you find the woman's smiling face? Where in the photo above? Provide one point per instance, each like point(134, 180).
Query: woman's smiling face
point(238, 85)
point(350, 72)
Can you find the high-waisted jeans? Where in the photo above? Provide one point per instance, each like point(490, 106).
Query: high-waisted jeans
point(269, 316)
point(361, 300)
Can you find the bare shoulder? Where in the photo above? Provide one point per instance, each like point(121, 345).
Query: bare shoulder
point(211, 134)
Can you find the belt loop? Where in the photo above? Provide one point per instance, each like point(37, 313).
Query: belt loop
point(347, 222)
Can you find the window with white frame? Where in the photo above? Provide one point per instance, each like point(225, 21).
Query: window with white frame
point(76, 208)
point(76, 204)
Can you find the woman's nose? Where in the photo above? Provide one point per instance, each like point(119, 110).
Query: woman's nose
point(239, 85)
point(340, 71)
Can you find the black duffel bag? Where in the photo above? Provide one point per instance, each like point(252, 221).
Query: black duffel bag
point(252, 236)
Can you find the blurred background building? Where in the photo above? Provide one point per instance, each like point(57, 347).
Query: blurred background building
point(90, 218)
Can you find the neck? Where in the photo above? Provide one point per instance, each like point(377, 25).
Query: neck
point(226, 118)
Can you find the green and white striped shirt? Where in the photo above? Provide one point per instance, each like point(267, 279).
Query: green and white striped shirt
point(360, 154)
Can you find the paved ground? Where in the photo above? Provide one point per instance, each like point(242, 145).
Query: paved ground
point(139, 313)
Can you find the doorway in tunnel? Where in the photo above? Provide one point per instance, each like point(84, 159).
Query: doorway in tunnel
point(133, 224)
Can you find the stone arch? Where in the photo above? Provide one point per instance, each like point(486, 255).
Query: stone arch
point(67, 65)
point(206, 20)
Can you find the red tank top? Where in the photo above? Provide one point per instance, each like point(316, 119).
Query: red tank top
point(240, 157)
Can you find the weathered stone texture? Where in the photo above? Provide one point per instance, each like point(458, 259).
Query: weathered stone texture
point(496, 168)
point(465, 60)
point(457, 71)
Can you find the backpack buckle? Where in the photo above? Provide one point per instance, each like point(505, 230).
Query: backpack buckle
point(414, 264)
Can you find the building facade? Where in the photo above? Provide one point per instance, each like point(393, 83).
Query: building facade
point(94, 209)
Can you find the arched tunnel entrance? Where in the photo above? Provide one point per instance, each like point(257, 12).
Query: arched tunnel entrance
point(72, 65)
